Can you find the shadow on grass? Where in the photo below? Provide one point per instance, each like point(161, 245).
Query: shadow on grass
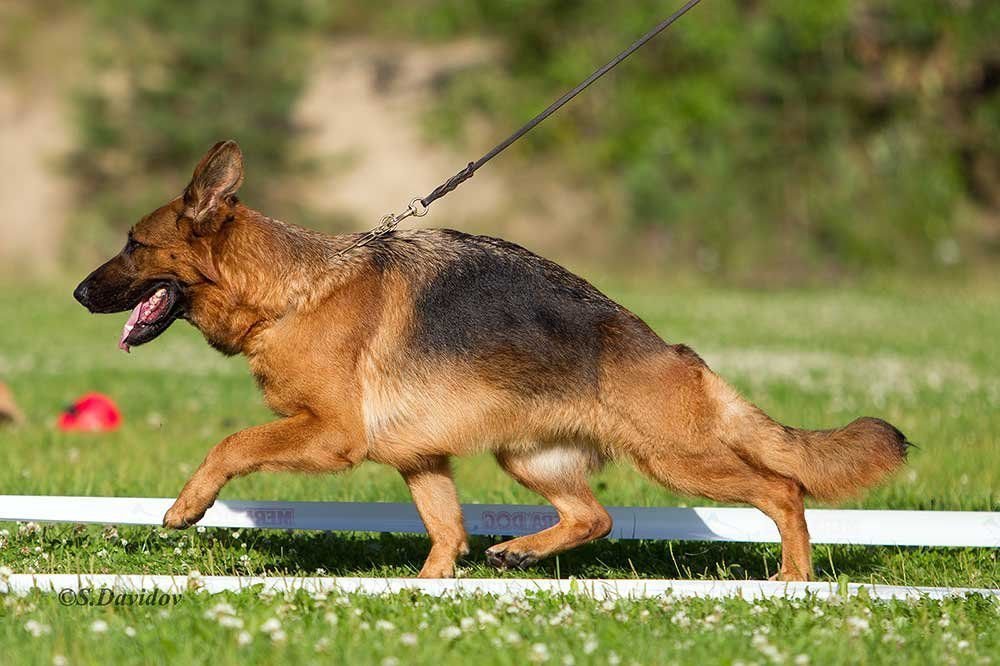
point(391, 554)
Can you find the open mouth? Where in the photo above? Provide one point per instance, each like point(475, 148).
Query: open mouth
point(151, 316)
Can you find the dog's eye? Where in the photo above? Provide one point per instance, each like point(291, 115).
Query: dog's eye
point(131, 245)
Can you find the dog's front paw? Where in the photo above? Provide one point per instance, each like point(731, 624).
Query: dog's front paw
point(184, 513)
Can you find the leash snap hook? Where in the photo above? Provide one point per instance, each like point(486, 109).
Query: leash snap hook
point(417, 208)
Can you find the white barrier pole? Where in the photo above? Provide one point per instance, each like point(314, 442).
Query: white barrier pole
point(597, 589)
point(865, 527)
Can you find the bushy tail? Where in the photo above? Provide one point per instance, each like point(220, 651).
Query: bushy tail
point(835, 464)
point(830, 464)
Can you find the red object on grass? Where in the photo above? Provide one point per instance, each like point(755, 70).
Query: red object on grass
point(93, 412)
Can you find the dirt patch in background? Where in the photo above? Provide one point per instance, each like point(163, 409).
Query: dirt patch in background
point(362, 112)
point(35, 197)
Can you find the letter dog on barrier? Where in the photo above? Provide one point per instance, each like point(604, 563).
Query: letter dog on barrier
point(427, 344)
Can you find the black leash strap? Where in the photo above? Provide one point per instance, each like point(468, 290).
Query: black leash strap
point(418, 207)
point(472, 167)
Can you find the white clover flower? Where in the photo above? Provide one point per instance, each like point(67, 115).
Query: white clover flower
point(271, 625)
point(760, 642)
point(390, 661)
point(384, 625)
point(365, 626)
point(450, 633)
point(221, 608)
point(614, 659)
point(36, 628)
point(130, 632)
point(568, 660)
point(511, 637)
point(278, 636)
point(59, 660)
point(200, 529)
point(856, 625)
point(27, 529)
point(322, 644)
point(485, 618)
point(590, 645)
point(408, 639)
point(801, 660)
point(331, 619)
point(467, 623)
point(230, 622)
point(99, 626)
point(539, 653)
point(320, 571)
point(244, 638)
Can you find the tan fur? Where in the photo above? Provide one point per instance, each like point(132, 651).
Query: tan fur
point(9, 413)
point(326, 337)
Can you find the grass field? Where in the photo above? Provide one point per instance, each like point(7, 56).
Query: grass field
point(926, 360)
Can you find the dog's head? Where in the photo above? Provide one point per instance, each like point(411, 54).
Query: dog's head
point(168, 252)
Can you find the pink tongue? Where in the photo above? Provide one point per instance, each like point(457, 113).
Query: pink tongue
point(129, 325)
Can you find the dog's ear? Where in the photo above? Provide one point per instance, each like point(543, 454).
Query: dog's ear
point(216, 179)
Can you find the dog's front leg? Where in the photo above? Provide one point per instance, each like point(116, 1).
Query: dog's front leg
point(300, 443)
point(434, 494)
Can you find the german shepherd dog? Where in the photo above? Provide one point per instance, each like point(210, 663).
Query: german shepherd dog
point(428, 344)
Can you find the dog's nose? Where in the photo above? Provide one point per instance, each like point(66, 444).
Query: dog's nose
point(81, 293)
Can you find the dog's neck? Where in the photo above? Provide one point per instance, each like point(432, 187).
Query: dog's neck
point(264, 270)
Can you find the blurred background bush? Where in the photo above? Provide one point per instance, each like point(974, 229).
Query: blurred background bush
point(754, 142)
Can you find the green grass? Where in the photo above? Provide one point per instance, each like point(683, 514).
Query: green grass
point(408, 628)
point(928, 361)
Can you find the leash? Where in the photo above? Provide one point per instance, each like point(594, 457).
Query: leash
point(418, 207)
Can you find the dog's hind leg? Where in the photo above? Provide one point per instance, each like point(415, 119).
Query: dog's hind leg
point(433, 492)
point(719, 475)
point(300, 443)
point(559, 474)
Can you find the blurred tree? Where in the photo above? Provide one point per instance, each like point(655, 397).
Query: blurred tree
point(172, 79)
point(786, 135)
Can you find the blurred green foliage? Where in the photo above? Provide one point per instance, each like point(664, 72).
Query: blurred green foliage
point(805, 139)
point(172, 79)
point(830, 136)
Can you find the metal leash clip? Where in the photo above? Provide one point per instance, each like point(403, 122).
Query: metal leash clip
point(388, 223)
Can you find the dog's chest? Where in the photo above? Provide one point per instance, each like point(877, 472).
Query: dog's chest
point(300, 365)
